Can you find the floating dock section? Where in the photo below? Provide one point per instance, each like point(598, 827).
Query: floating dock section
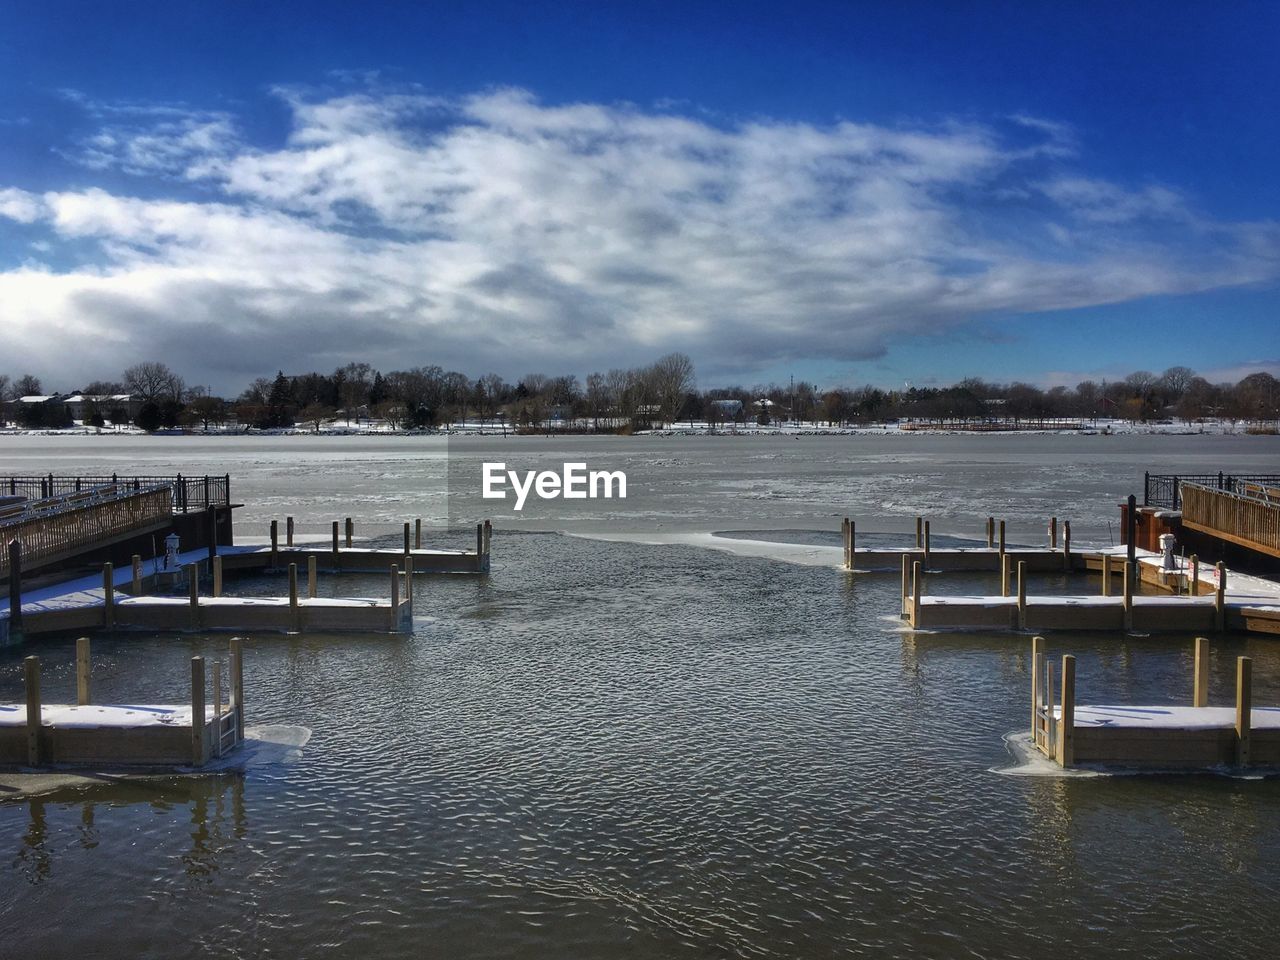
point(1195, 736)
point(35, 734)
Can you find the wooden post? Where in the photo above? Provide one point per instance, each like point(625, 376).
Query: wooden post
point(137, 576)
point(31, 677)
point(408, 578)
point(1128, 596)
point(1053, 533)
point(335, 545)
point(906, 585)
point(1195, 575)
point(15, 589)
point(479, 543)
point(417, 534)
point(406, 536)
point(991, 533)
point(275, 544)
point(926, 543)
point(1006, 573)
point(193, 587)
point(917, 575)
point(1066, 545)
point(395, 597)
point(197, 711)
point(217, 688)
point(1022, 594)
point(217, 576)
point(844, 540)
point(82, 671)
point(311, 576)
point(288, 531)
point(237, 683)
point(919, 532)
point(488, 542)
point(1131, 530)
point(1067, 722)
point(108, 596)
point(351, 531)
point(1106, 574)
point(294, 614)
point(1244, 709)
point(1037, 668)
point(853, 543)
point(1220, 599)
point(1200, 688)
point(1001, 536)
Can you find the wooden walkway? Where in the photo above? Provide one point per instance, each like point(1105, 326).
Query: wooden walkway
point(1250, 519)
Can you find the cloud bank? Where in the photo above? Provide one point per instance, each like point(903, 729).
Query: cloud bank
point(498, 232)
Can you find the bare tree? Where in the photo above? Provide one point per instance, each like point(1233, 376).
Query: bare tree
point(27, 386)
point(671, 378)
point(153, 381)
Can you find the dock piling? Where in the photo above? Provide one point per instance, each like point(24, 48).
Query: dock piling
point(906, 585)
point(1002, 540)
point(1244, 709)
point(1195, 575)
point(335, 544)
point(288, 531)
point(926, 543)
point(82, 671)
point(408, 578)
point(919, 532)
point(991, 533)
point(395, 597)
point(917, 591)
point(108, 596)
point(1022, 595)
point(1128, 595)
point(1106, 574)
point(193, 587)
point(294, 616)
point(1053, 533)
point(844, 540)
point(350, 532)
point(136, 587)
point(1067, 721)
point(1200, 687)
point(1006, 573)
point(406, 536)
point(1066, 545)
point(311, 577)
point(1037, 668)
point(237, 683)
point(197, 711)
point(31, 679)
point(217, 576)
point(417, 534)
point(1220, 599)
point(275, 544)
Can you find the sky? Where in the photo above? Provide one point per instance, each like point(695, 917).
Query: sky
point(889, 193)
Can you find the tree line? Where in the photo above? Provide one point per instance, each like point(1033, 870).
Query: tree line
point(661, 393)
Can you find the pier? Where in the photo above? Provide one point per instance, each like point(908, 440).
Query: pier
point(35, 734)
point(1193, 736)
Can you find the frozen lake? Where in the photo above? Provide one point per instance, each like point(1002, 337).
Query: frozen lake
point(611, 749)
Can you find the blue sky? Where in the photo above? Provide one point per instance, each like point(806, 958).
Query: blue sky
point(884, 192)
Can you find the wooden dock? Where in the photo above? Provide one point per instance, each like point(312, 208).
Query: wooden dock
point(34, 733)
point(995, 556)
point(1160, 737)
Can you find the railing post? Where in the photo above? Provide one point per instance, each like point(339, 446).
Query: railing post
point(1244, 709)
point(31, 678)
point(1200, 685)
point(197, 712)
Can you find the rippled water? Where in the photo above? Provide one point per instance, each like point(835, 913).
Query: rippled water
point(607, 749)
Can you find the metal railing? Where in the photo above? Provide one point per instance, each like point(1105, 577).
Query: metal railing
point(1165, 489)
point(188, 493)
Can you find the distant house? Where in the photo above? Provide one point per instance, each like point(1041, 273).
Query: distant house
point(37, 410)
point(727, 409)
point(116, 407)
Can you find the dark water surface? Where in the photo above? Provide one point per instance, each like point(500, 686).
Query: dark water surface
point(616, 750)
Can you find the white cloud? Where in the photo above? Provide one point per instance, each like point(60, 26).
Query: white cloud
point(496, 232)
